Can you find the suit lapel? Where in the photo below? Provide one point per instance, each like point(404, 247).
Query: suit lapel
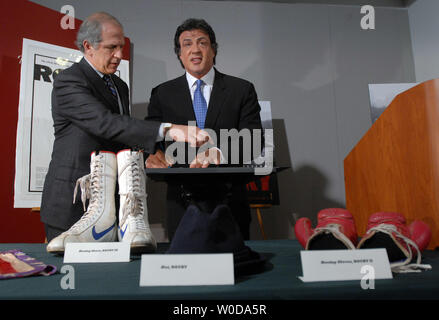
point(99, 84)
point(216, 101)
point(182, 96)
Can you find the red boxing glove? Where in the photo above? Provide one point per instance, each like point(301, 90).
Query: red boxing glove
point(335, 230)
point(389, 230)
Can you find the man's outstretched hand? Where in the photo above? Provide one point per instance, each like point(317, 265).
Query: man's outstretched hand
point(195, 136)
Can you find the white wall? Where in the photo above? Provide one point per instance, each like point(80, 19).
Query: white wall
point(424, 28)
point(313, 62)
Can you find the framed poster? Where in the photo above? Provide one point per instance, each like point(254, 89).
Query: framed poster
point(40, 63)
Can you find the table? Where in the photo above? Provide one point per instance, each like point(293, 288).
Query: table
point(278, 281)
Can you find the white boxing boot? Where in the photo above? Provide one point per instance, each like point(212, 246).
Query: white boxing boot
point(133, 212)
point(98, 224)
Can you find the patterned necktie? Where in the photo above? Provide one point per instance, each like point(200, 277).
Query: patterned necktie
point(110, 85)
point(200, 105)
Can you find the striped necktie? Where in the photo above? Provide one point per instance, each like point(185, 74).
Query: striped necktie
point(110, 85)
point(200, 105)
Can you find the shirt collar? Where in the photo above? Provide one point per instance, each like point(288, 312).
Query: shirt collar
point(91, 65)
point(208, 78)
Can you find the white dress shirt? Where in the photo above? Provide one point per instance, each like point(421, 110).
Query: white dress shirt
point(207, 86)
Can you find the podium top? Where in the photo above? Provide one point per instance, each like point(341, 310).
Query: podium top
point(217, 173)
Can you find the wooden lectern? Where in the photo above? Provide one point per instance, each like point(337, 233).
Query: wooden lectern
point(395, 166)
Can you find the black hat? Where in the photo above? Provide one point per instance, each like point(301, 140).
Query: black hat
point(216, 232)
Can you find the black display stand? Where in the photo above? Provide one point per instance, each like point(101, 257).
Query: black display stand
point(206, 187)
point(203, 175)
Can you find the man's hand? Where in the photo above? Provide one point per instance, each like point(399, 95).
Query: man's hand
point(191, 134)
point(203, 159)
point(158, 160)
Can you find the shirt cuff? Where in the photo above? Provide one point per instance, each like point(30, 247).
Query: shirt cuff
point(161, 135)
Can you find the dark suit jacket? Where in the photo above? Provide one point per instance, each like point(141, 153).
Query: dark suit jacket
point(86, 118)
point(233, 104)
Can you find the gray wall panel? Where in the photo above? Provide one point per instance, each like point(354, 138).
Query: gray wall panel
point(313, 62)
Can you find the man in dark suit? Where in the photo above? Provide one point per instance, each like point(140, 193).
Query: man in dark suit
point(215, 101)
point(90, 109)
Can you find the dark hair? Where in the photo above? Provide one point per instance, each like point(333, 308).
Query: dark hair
point(192, 24)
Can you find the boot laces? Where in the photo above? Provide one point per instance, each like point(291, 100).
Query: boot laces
point(335, 229)
point(91, 188)
point(403, 266)
point(134, 206)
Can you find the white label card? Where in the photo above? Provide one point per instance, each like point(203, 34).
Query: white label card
point(337, 265)
point(187, 269)
point(92, 252)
